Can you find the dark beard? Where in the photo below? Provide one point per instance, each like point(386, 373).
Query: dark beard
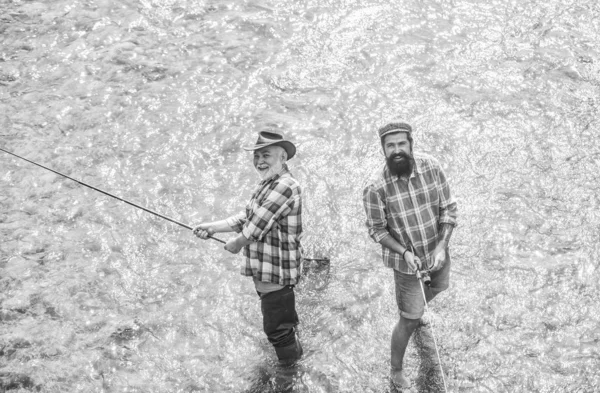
point(401, 168)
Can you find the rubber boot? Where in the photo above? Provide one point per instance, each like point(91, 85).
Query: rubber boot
point(290, 354)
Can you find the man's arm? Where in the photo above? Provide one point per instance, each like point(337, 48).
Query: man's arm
point(377, 225)
point(207, 229)
point(439, 254)
point(413, 261)
point(236, 244)
point(276, 205)
point(447, 221)
point(216, 226)
point(445, 234)
point(447, 205)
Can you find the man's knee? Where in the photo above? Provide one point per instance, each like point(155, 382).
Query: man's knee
point(409, 323)
point(282, 336)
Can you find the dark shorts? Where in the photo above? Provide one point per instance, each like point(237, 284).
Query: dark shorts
point(279, 316)
point(409, 295)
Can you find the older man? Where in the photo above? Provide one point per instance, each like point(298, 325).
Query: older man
point(270, 230)
point(411, 213)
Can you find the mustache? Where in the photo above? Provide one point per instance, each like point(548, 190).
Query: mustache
point(400, 154)
point(401, 167)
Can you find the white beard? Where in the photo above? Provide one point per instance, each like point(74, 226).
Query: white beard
point(271, 172)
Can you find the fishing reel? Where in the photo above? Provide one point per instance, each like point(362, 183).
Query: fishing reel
point(424, 276)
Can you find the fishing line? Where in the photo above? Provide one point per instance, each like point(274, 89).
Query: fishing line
point(111, 195)
point(432, 331)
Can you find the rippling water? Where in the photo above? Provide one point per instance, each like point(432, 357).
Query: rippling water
point(152, 100)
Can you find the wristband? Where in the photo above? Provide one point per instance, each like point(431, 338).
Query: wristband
point(404, 253)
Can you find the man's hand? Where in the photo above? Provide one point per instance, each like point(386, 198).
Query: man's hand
point(235, 245)
point(412, 261)
point(439, 257)
point(204, 231)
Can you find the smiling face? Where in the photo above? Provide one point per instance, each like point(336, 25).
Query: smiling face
point(269, 161)
point(396, 143)
point(397, 149)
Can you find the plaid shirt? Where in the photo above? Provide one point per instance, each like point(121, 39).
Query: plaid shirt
point(273, 222)
point(410, 210)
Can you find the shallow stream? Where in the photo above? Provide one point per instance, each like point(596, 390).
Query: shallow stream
point(153, 99)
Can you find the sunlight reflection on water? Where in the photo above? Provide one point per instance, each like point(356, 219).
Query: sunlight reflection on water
point(153, 100)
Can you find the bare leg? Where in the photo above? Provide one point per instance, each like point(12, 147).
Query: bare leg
point(400, 336)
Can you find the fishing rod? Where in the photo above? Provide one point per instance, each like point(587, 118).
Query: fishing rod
point(423, 277)
point(110, 195)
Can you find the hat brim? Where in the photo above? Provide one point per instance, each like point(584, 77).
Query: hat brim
point(288, 146)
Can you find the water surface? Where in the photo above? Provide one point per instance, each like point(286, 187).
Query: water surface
point(153, 100)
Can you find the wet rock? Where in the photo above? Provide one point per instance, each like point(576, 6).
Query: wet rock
point(30, 208)
point(570, 72)
point(51, 352)
point(8, 77)
point(25, 48)
point(33, 250)
point(19, 303)
point(13, 346)
point(92, 245)
point(75, 213)
point(19, 268)
point(10, 381)
point(154, 74)
point(129, 332)
point(9, 315)
point(19, 16)
point(52, 312)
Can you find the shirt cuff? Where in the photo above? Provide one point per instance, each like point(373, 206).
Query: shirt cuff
point(248, 234)
point(447, 220)
point(378, 235)
point(235, 223)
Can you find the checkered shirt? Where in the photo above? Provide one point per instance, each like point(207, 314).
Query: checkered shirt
point(410, 210)
point(273, 221)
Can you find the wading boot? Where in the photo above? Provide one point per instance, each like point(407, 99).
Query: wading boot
point(290, 354)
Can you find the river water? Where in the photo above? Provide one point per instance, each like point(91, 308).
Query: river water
point(153, 99)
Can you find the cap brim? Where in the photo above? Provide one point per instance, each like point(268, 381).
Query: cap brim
point(398, 130)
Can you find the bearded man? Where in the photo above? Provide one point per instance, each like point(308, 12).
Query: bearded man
point(411, 213)
point(270, 230)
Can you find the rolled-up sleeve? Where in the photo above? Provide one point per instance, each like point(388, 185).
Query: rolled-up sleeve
point(237, 222)
point(276, 204)
point(448, 209)
point(375, 210)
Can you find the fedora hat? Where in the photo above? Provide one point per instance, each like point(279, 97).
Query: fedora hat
point(266, 138)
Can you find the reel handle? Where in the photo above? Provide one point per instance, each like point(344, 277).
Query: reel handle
point(424, 276)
